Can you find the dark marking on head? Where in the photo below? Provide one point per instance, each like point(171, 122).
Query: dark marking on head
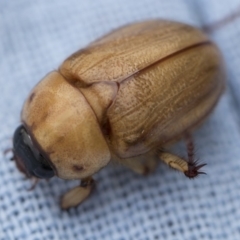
point(44, 117)
point(29, 158)
point(77, 168)
point(32, 97)
point(60, 139)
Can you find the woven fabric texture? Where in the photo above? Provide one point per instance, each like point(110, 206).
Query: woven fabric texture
point(35, 37)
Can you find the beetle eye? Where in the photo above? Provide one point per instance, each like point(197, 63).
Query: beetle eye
point(28, 159)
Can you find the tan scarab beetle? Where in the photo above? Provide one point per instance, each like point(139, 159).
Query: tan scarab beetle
point(125, 97)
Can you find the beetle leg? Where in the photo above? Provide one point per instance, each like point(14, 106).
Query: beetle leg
point(193, 165)
point(77, 195)
point(174, 161)
point(143, 164)
point(190, 167)
point(143, 168)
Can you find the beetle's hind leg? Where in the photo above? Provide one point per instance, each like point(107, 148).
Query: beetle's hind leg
point(143, 164)
point(193, 165)
point(77, 195)
point(190, 167)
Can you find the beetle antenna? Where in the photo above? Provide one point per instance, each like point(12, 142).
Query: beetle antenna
point(6, 151)
point(218, 24)
point(34, 184)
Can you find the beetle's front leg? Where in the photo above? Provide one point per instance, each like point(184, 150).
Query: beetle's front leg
point(190, 167)
point(77, 195)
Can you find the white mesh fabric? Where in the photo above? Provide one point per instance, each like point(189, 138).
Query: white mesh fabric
point(35, 37)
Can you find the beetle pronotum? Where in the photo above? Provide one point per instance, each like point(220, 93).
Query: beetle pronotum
point(125, 97)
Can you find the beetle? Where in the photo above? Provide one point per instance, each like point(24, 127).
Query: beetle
point(125, 97)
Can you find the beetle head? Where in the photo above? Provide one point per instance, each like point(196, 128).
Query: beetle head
point(28, 159)
point(64, 128)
